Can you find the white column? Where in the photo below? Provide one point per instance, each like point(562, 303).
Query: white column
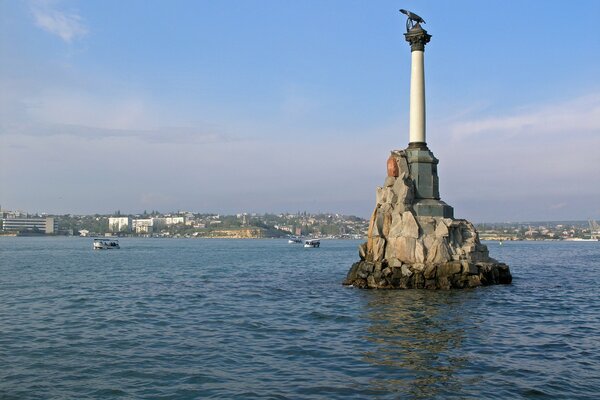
point(417, 98)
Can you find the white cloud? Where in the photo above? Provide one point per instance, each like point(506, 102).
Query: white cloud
point(67, 25)
point(565, 118)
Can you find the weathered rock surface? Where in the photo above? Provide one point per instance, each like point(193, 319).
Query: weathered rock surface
point(405, 251)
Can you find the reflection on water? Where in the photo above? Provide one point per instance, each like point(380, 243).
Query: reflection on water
point(417, 338)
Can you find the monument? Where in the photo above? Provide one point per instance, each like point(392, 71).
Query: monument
point(413, 240)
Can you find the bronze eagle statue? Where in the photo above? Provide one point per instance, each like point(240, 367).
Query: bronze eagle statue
point(413, 19)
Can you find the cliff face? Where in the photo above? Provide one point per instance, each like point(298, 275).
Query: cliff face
point(405, 250)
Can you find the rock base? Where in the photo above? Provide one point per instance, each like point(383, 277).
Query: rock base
point(414, 242)
point(449, 275)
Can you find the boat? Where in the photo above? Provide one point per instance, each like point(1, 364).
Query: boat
point(294, 240)
point(106, 244)
point(582, 240)
point(312, 243)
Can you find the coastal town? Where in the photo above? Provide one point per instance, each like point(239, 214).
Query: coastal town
point(187, 225)
point(255, 226)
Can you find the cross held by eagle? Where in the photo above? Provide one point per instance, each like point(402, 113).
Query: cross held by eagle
point(412, 20)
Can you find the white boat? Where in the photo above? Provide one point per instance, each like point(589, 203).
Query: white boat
point(106, 244)
point(294, 240)
point(312, 243)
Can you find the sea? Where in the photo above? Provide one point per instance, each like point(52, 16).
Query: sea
point(264, 319)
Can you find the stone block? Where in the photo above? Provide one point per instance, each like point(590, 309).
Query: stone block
point(469, 268)
point(405, 249)
point(377, 267)
point(443, 282)
point(404, 170)
point(379, 195)
point(419, 252)
point(396, 225)
point(362, 251)
point(474, 281)
point(404, 191)
point(387, 223)
point(406, 271)
point(371, 282)
point(430, 271)
point(410, 227)
point(352, 274)
point(441, 230)
point(389, 196)
point(439, 252)
point(389, 181)
point(418, 281)
point(372, 222)
point(417, 267)
point(449, 268)
point(394, 262)
point(364, 269)
point(378, 248)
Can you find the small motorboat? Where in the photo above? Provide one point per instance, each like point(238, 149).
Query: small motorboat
point(106, 244)
point(312, 243)
point(294, 240)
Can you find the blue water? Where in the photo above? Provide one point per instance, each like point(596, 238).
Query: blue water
point(190, 319)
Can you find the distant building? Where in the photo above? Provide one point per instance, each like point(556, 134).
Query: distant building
point(36, 224)
point(144, 225)
point(174, 220)
point(119, 224)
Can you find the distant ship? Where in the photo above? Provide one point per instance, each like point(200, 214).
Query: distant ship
point(294, 240)
point(312, 243)
point(106, 244)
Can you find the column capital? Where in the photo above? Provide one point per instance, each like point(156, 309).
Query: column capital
point(417, 37)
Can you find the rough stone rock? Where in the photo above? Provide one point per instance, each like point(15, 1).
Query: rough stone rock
point(469, 268)
point(404, 250)
point(410, 227)
point(396, 225)
point(438, 252)
point(441, 230)
point(379, 199)
point(429, 272)
point(389, 181)
point(403, 190)
point(419, 252)
point(362, 251)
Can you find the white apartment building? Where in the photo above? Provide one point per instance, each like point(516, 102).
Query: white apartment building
point(119, 224)
point(143, 225)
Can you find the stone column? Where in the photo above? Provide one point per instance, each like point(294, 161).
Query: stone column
point(421, 161)
point(418, 38)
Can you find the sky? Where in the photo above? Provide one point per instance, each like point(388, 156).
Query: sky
point(286, 106)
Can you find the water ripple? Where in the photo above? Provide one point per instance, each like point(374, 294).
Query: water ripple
point(188, 319)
